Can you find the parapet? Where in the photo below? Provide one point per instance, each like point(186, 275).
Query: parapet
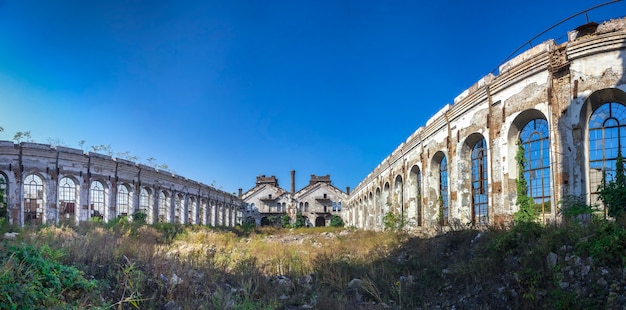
point(262, 179)
point(319, 179)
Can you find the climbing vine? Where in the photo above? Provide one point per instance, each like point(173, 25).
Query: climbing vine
point(528, 211)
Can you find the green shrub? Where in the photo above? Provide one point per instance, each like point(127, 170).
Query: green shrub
point(170, 231)
point(336, 221)
point(607, 244)
point(574, 208)
point(32, 278)
point(393, 221)
point(520, 237)
point(300, 220)
point(140, 217)
point(285, 221)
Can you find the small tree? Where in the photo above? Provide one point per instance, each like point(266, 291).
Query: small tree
point(527, 209)
point(23, 136)
point(613, 193)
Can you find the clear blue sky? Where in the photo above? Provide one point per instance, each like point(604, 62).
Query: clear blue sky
point(222, 91)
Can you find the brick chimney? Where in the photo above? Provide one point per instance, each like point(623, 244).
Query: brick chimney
point(240, 193)
point(293, 181)
point(348, 190)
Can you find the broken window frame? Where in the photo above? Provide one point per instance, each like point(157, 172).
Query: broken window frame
point(68, 193)
point(535, 137)
point(33, 192)
point(443, 191)
point(607, 128)
point(97, 195)
point(480, 196)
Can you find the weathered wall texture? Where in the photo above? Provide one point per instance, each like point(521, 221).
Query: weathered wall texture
point(50, 185)
point(561, 84)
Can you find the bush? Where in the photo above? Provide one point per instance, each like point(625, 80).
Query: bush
point(32, 278)
point(393, 221)
point(285, 220)
point(608, 244)
point(300, 220)
point(140, 217)
point(573, 208)
point(336, 221)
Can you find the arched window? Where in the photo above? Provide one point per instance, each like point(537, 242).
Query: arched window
point(164, 207)
point(398, 188)
point(67, 199)
point(386, 200)
point(192, 210)
point(443, 191)
point(480, 211)
point(33, 199)
point(178, 211)
point(535, 139)
point(145, 204)
point(213, 213)
point(306, 206)
point(203, 212)
point(124, 200)
point(98, 200)
point(220, 214)
point(378, 207)
point(415, 190)
point(607, 136)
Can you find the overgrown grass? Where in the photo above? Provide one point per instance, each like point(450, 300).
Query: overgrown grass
point(126, 265)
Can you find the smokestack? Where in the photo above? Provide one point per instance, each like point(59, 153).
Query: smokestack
point(348, 190)
point(293, 181)
point(240, 193)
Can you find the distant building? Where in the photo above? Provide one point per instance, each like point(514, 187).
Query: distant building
point(42, 184)
point(317, 202)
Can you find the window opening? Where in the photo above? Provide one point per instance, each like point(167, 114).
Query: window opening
point(607, 132)
point(33, 199)
point(536, 142)
point(480, 212)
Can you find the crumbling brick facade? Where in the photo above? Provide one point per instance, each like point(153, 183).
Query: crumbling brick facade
point(550, 89)
point(52, 185)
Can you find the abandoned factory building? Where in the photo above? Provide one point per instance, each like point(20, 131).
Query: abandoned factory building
point(52, 185)
point(317, 202)
point(563, 103)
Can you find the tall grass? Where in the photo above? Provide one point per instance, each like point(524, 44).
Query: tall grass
point(150, 266)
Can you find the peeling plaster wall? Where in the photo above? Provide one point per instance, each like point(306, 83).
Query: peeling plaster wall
point(17, 161)
point(561, 84)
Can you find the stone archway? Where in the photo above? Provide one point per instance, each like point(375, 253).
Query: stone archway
point(320, 221)
point(265, 221)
